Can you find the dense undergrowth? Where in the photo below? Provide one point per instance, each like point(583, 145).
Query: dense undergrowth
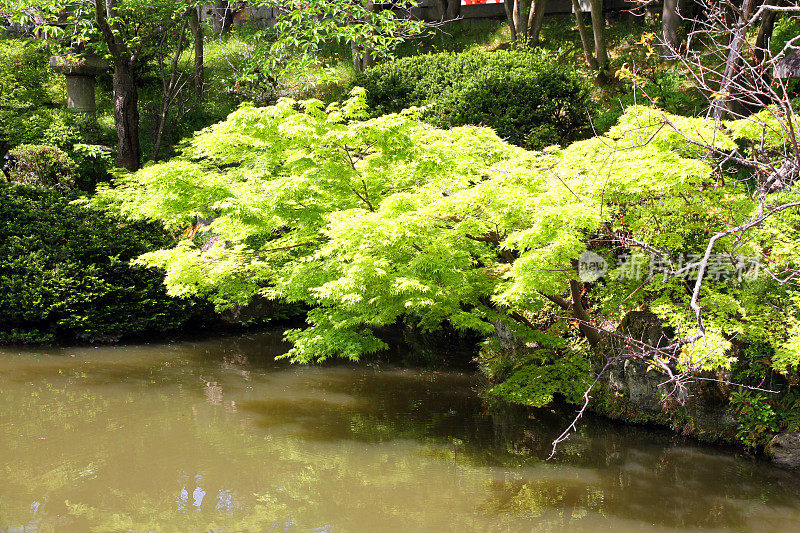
point(527, 98)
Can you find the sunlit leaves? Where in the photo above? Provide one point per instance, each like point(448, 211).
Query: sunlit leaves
point(369, 222)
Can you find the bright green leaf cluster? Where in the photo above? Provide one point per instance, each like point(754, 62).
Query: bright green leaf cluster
point(372, 221)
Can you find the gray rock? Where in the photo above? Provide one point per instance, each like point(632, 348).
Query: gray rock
point(784, 449)
point(703, 405)
point(631, 376)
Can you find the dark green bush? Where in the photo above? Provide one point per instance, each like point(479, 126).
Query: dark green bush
point(65, 272)
point(44, 166)
point(528, 98)
point(93, 162)
point(77, 134)
point(55, 126)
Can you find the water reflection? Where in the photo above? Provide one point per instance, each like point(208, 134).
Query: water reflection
point(217, 436)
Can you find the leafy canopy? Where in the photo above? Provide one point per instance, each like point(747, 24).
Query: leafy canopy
point(293, 44)
point(372, 221)
point(133, 23)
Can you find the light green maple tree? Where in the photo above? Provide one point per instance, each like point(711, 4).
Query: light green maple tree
point(373, 221)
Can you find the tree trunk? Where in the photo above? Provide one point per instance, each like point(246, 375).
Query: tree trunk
point(362, 56)
point(453, 9)
point(670, 20)
point(126, 116)
point(223, 17)
point(171, 88)
point(510, 18)
point(580, 313)
point(598, 28)
point(585, 42)
point(126, 97)
point(723, 105)
point(448, 9)
point(536, 20)
point(761, 52)
point(520, 23)
point(764, 36)
point(199, 60)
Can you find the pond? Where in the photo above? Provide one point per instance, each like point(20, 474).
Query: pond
point(216, 435)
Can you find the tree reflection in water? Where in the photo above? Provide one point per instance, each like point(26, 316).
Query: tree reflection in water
point(213, 437)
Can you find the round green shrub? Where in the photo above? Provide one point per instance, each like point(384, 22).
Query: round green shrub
point(529, 98)
point(65, 272)
point(43, 166)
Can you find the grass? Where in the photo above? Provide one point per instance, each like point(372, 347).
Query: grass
point(460, 36)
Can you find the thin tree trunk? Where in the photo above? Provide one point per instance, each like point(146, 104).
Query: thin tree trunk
point(575, 305)
point(126, 116)
point(368, 59)
point(585, 42)
point(442, 6)
point(520, 22)
point(510, 19)
point(199, 59)
point(453, 9)
point(670, 20)
point(761, 52)
point(362, 56)
point(448, 9)
point(356, 53)
point(723, 105)
point(579, 312)
point(170, 91)
point(764, 36)
point(536, 20)
point(598, 25)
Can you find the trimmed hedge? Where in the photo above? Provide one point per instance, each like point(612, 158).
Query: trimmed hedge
point(65, 273)
point(529, 98)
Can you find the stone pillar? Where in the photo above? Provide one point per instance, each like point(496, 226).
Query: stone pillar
point(80, 74)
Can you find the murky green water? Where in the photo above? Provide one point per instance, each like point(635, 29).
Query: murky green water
point(215, 436)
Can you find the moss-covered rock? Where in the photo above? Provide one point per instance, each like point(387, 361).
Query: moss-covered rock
point(634, 392)
point(784, 449)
